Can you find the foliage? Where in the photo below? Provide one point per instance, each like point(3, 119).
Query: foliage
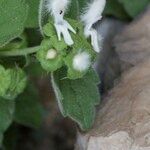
point(77, 98)
point(125, 9)
point(13, 82)
point(12, 19)
point(21, 45)
point(31, 115)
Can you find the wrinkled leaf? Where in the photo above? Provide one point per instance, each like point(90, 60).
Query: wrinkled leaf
point(18, 83)
point(77, 98)
point(32, 20)
point(13, 15)
point(4, 81)
point(13, 82)
point(18, 43)
point(49, 29)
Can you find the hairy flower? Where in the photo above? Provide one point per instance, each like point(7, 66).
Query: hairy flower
point(58, 8)
point(81, 61)
point(92, 14)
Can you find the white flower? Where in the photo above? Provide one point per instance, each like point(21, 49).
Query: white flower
point(81, 61)
point(51, 54)
point(57, 9)
point(92, 14)
point(63, 28)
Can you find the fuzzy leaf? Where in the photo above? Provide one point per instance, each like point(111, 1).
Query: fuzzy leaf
point(6, 113)
point(4, 81)
point(77, 98)
point(18, 43)
point(13, 14)
point(134, 7)
point(17, 84)
point(49, 29)
point(31, 114)
point(13, 82)
point(32, 20)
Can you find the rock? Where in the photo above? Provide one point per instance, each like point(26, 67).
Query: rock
point(123, 121)
point(108, 63)
point(133, 43)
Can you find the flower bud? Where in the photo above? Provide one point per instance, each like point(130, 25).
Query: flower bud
point(81, 61)
point(51, 54)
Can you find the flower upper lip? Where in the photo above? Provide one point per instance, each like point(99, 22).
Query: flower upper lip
point(90, 17)
point(62, 28)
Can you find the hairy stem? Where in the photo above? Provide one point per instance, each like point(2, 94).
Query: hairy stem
point(19, 52)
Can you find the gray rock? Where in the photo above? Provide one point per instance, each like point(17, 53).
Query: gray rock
point(133, 43)
point(108, 63)
point(123, 121)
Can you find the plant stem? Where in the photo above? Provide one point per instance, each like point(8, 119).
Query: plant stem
point(19, 52)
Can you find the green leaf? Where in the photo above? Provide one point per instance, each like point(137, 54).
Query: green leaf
point(18, 43)
point(18, 80)
point(12, 82)
point(77, 98)
point(32, 20)
point(13, 14)
point(134, 7)
point(114, 8)
point(28, 110)
point(4, 81)
point(49, 29)
point(6, 113)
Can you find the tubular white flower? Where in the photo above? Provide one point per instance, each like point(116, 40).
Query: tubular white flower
point(81, 61)
point(57, 8)
point(92, 14)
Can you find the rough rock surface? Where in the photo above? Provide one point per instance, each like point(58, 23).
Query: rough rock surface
point(123, 120)
point(107, 64)
point(133, 43)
